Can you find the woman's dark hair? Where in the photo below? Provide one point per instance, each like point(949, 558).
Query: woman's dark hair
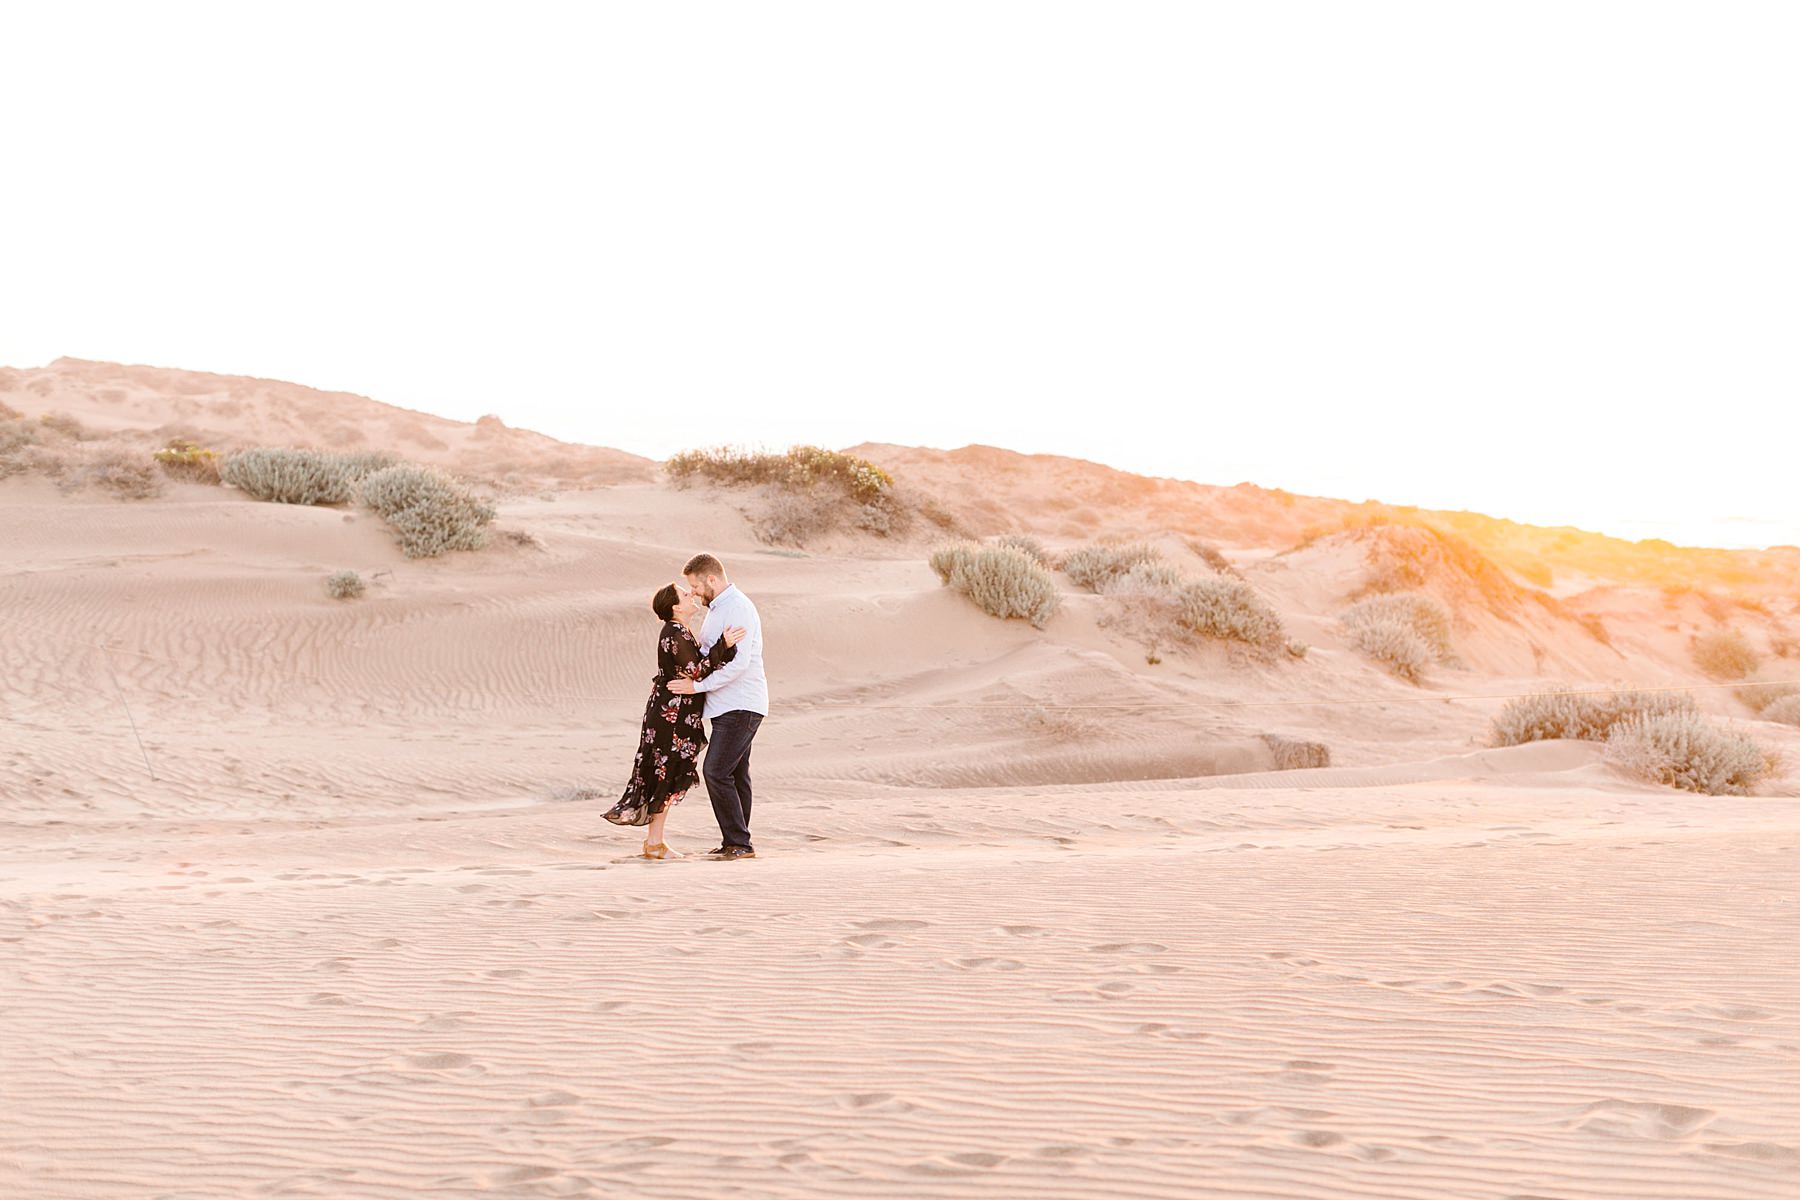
point(664, 602)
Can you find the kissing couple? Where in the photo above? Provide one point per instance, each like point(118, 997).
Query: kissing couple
point(708, 664)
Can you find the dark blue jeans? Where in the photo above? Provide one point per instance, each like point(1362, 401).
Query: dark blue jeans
point(727, 773)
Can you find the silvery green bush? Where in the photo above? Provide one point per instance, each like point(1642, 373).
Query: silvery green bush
point(1562, 713)
point(1003, 582)
point(431, 513)
point(1228, 608)
point(1093, 566)
point(1421, 613)
point(1158, 580)
point(1724, 654)
point(1786, 710)
point(300, 476)
point(344, 585)
point(1025, 544)
point(946, 560)
point(1761, 695)
point(1683, 750)
point(1395, 644)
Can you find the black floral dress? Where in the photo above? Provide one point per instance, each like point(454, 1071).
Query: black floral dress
point(669, 747)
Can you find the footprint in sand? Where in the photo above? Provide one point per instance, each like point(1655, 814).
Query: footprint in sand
point(892, 923)
point(1318, 1139)
point(957, 1164)
point(988, 964)
point(1639, 1119)
point(553, 1099)
point(1024, 930)
point(1129, 948)
point(438, 1062)
point(865, 1099)
point(1766, 1152)
point(514, 1175)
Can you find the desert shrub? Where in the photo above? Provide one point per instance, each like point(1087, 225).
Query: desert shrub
point(1396, 645)
point(1760, 695)
point(795, 518)
point(1785, 711)
point(125, 475)
point(8, 412)
point(1210, 555)
point(1025, 544)
point(1403, 557)
point(1092, 566)
point(187, 460)
point(1292, 754)
point(20, 453)
point(800, 467)
point(1153, 579)
point(1684, 750)
point(883, 516)
point(938, 515)
point(522, 538)
point(1784, 647)
point(345, 585)
point(16, 433)
point(300, 476)
point(1223, 607)
point(66, 425)
point(1297, 648)
point(947, 560)
point(860, 478)
point(1724, 654)
point(1586, 716)
point(1596, 628)
point(813, 485)
point(431, 513)
point(1420, 612)
point(1001, 581)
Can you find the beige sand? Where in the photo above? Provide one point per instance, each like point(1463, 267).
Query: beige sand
point(355, 940)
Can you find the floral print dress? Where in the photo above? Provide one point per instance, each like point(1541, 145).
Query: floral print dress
point(669, 747)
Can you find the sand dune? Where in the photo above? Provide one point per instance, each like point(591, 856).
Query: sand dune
point(1033, 916)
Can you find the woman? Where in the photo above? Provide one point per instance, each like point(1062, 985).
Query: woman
point(669, 746)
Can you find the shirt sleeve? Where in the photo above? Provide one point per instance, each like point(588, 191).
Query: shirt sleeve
point(710, 629)
point(748, 651)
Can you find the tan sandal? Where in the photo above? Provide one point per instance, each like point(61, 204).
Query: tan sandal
point(659, 850)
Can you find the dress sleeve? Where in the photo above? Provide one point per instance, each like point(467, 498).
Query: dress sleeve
point(677, 656)
point(718, 656)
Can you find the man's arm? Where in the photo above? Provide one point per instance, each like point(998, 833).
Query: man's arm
point(748, 651)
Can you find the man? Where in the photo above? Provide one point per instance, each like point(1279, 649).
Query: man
point(737, 700)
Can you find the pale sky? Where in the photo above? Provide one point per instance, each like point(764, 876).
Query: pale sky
point(1538, 260)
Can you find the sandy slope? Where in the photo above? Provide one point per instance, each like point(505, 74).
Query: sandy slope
point(1033, 916)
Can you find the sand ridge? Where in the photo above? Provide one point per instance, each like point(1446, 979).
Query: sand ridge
point(1033, 915)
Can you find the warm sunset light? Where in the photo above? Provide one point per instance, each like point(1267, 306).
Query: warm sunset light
point(829, 601)
point(1534, 261)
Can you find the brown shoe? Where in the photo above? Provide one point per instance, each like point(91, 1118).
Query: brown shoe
point(728, 853)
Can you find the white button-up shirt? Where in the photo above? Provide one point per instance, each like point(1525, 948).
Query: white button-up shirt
point(740, 684)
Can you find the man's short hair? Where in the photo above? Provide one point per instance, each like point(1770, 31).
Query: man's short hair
point(702, 565)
